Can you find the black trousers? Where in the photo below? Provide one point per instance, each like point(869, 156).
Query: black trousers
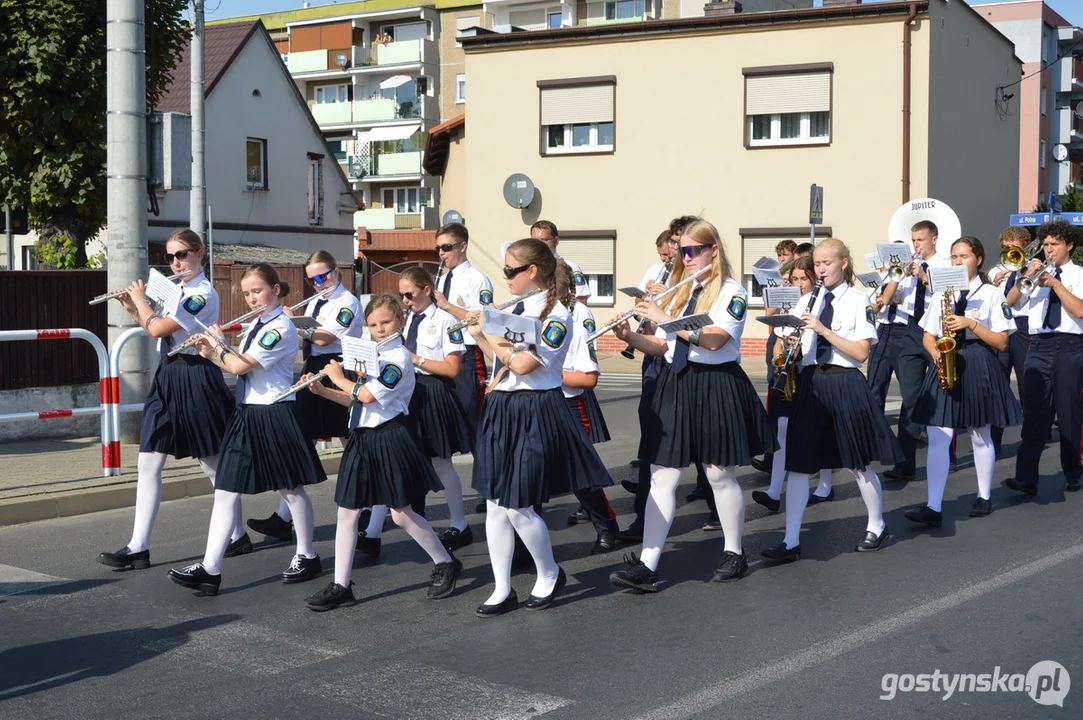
point(1052, 382)
point(470, 382)
point(597, 507)
point(1013, 359)
point(911, 365)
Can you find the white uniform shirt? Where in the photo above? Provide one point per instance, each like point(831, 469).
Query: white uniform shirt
point(728, 313)
point(582, 290)
point(274, 350)
point(470, 289)
point(1020, 307)
point(581, 355)
point(655, 273)
point(199, 301)
point(555, 341)
point(911, 286)
point(342, 315)
point(984, 303)
point(434, 341)
point(1072, 277)
point(852, 319)
point(884, 316)
point(392, 387)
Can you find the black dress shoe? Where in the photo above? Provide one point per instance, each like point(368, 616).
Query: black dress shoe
point(953, 467)
point(240, 546)
point(981, 507)
point(302, 569)
point(125, 558)
point(924, 515)
point(732, 567)
point(630, 485)
point(1073, 485)
point(331, 597)
point(368, 546)
point(1022, 487)
point(764, 465)
point(635, 575)
point(782, 554)
point(899, 475)
point(713, 524)
point(872, 542)
point(196, 577)
point(273, 527)
point(540, 603)
point(509, 603)
point(695, 495)
point(762, 498)
point(606, 542)
point(443, 578)
point(632, 534)
point(480, 507)
point(453, 538)
point(815, 499)
point(579, 517)
point(636, 463)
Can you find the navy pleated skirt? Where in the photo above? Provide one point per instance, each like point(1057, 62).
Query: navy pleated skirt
point(470, 383)
point(188, 409)
point(586, 410)
point(321, 418)
point(836, 423)
point(708, 414)
point(530, 448)
point(439, 417)
point(384, 465)
point(777, 407)
point(981, 396)
point(264, 449)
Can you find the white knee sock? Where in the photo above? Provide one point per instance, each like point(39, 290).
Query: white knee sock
point(223, 516)
point(535, 535)
point(778, 464)
point(823, 488)
point(658, 517)
point(421, 531)
point(284, 510)
point(937, 463)
point(148, 496)
point(985, 459)
point(345, 543)
point(500, 538)
point(796, 502)
point(730, 502)
point(210, 467)
point(376, 521)
point(453, 491)
point(303, 518)
point(873, 495)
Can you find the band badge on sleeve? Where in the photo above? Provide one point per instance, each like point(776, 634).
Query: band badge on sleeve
point(485, 297)
point(456, 336)
point(344, 317)
point(554, 333)
point(590, 325)
point(269, 339)
point(194, 303)
point(390, 376)
point(593, 353)
point(580, 278)
point(870, 315)
point(1007, 310)
point(737, 308)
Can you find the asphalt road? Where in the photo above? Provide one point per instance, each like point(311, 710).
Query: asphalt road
point(814, 639)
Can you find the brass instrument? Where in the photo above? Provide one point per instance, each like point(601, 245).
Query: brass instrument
point(1015, 259)
point(785, 379)
point(629, 352)
point(1028, 285)
point(947, 363)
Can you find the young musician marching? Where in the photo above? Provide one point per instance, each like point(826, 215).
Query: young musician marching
point(189, 405)
point(384, 463)
point(705, 409)
point(835, 421)
point(1015, 356)
point(1053, 373)
point(335, 309)
point(546, 231)
point(979, 323)
point(264, 448)
point(529, 447)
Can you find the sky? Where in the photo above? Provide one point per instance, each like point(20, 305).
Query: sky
point(1071, 10)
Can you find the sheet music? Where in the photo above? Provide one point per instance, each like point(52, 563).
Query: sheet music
point(516, 329)
point(893, 254)
point(781, 297)
point(166, 294)
point(870, 279)
point(304, 322)
point(948, 277)
point(632, 291)
point(767, 278)
point(873, 261)
point(688, 322)
point(360, 355)
point(766, 263)
point(792, 321)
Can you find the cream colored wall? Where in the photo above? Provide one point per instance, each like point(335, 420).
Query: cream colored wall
point(452, 60)
point(453, 183)
point(679, 141)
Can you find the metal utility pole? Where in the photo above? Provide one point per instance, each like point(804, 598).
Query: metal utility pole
point(126, 183)
point(197, 207)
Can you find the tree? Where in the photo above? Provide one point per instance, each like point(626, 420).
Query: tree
point(52, 112)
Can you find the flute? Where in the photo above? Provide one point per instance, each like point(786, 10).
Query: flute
point(318, 377)
point(119, 293)
point(231, 326)
point(660, 296)
point(503, 306)
point(629, 352)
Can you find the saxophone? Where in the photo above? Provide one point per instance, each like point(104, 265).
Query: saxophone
point(946, 345)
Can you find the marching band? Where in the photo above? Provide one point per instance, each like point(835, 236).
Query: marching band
point(532, 422)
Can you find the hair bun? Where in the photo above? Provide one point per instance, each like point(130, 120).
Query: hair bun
point(283, 288)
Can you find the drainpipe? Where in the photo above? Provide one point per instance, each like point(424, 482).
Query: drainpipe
point(907, 29)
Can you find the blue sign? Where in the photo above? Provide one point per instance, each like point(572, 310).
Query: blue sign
point(1030, 219)
point(1074, 218)
point(816, 205)
point(1054, 203)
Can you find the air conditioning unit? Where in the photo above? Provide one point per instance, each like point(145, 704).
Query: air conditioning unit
point(170, 147)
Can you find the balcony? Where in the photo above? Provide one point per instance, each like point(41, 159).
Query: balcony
point(363, 57)
point(403, 52)
point(374, 110)
point(331, 113)
point(384, 165)
point(390, 219)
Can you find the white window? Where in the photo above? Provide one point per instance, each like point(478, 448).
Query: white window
point(465, 23)
point(577, 118)
point(332, 93)
point(256, 164)
point(624, 9)
point(1041, 153)
point(1041, 101)
point(789, 129)
point(315, 189)
point(553, 20)
point(788, 109)
point(460, 88)
point(595, 256)
point(406, 200)
point(286, 58)
point(752, 249)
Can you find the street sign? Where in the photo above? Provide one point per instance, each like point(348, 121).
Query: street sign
point(816, 205)
point(1055, 203)
point(1072, 218)
point(1030, 219)
point(19, 222)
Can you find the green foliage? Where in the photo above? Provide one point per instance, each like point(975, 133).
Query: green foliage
point(52, 109)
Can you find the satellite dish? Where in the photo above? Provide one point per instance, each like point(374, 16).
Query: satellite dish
point(518, 191)
point(1060, 152)
point(342, 59)
point(452, 216)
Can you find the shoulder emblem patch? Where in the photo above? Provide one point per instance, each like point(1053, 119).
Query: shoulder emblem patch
point(269, 339)
point(456, 336)
point(590, 325)
point(554, 333)
point(485, 297)
point(344, 317)
point(194, 303)
point(870, 315)
point(737, 307)
point(1007, 310)
point(593, 352)
point(390, 376)
point(580, 278)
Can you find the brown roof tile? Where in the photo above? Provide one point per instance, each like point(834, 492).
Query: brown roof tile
point(398, 240)
point(221, 43)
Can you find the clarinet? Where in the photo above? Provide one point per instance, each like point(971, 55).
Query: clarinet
point(629, 352)
point(789, 364)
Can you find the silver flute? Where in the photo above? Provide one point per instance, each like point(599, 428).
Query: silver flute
point(502, 306)
point(319, 377)
point(120, 293)
point(660, 296)
point(226, 327)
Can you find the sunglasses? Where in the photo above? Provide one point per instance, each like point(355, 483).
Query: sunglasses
point(406, 295)
point(449, 247)
point(691, 251)
point(179, 255)
point(319, 279)
point(509, 273)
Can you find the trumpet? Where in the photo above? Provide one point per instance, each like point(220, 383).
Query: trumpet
point(319, 377)
point(502, 306)
point(121, 293)
point(629, 352)
point(660, 296)
point(231, 326)
point(946, 345)
point(1015, 259)
point(785, 380)
point(1028, 285)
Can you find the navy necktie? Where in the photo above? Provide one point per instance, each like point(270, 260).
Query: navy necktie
point(1010, 283)
point(960, 303)
point(252, 335)
point(447, 284)
point(1052, 308)
point(827, 315)
point(919, 299)
point(680, 351)
point(242, 380)
point(892, 312)
point(306, 351)
point(520, 307)
point(411, 334)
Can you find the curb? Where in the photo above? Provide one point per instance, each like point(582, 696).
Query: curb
point(81, 502)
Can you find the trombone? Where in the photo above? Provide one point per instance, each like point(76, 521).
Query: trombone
point(660, 296)
point(502, 306)
point(1015, 259)
point(318, 377)
point(121, 293)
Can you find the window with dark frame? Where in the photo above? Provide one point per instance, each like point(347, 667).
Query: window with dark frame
point(256, 164)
